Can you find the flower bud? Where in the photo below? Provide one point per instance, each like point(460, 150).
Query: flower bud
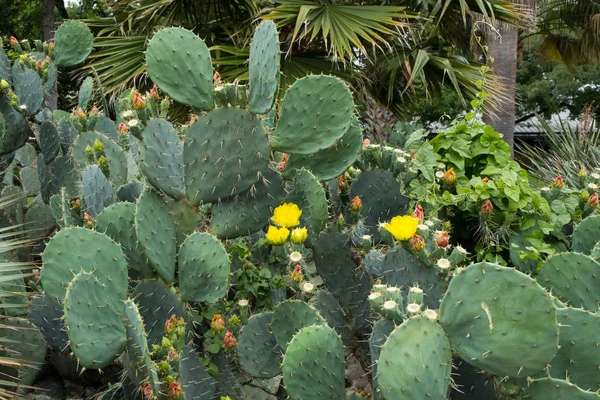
point(296, 274)
point(366, 143)
point(13, 41)
point(559, 182)
point(417, 243)
point(98, 146)
point(419, 214)
point(153, 93)
point(172, 355)
point(485, 180)
point(218, 323)
point(487, 207)
point(139, 103)
point(123, 129)
point(4, 84)
point(449, 176)
point(356, 204)
point(593, 200)
point(442, 239)
point(299, 235)
point(147, 389)
point(583, 172)
point(230, 341)
point(174, 390)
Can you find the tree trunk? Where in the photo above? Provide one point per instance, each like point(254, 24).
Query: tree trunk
point(503, 49)
point(48, 26)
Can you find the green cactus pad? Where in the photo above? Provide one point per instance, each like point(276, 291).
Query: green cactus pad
point(579, 353)
point(62, 174)
point(310, 197)
point(399, 267)
point(187, 218)
point(14, 300)
point(195, 381)
point(289, 317)
point(98, 193)
point(316, 111)
point(263, 68)
point(73, 44)
point(30, 181)
point(257, 347)
point(556, 389)
point(93, 312)
point(138, 354)
point(74, 249)
point(156, 233)
point(329, 308)
point(17, 129)
point(350, 286)
point(491, 313)
point(49, 141)
point(574, 278)
point(85, 93)
point(28, 86)
point(381, 198)
point(130, 191)
point(586, 235)
point(331, 162)
point(248, 212)
point(47, 316)
point(117, 222)
point(415, 362)
point(313, 365)
point(224, 154)
point(39, 222)
point(117, 161)
point(107, 127)
point(22, 340)
point(156, 303)
point(379, 335)
point(60, 207)
point(203, 268)
point(231, 95)
point(161, 157)
point(179, 64)
point(67, 134)
point(5, 69)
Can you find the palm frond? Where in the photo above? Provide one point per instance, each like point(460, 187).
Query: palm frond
point(343, 28)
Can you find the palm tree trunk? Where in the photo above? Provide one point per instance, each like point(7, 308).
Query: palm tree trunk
point(503, 49)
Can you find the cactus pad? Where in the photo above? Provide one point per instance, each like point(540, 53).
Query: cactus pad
point(156, 303)
point(28, 86)
point(47, 315)
point(579, 353)
point(156, 233)
point(250, 211)
point(556, 389)
point(289, 317)
point(329, 308)
point(415, 362)
point(73, 41)
point(332, 162)
point(203, 268)
point(257, 348)
point(117, 222)
point(93, 313)
point(85, 93)
point(574, 278)
point(179, 63)
point(17, 129)
point(23, 341)
point(310, 197)
point(5, 69)
point(161, 157)
point(379, 335)
point(264, 68)
point(138, 353)
point(196, 383)
point(586, 235)
point(98, 193)
point(225, 152)
point(313, 365)
point(74, 249)
point(49, 141)
point(316, 111)
point(117, 161)
point(492, 313)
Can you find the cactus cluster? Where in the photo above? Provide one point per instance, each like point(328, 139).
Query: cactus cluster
point(166, 237)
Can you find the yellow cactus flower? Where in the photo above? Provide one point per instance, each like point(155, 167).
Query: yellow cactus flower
point(299, 235)
point(402, 228)
point(277, 236)
point(287, 215)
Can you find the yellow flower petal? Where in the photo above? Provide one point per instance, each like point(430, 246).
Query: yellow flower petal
point(287, 215)
point(277, 236)
point(402, 228)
